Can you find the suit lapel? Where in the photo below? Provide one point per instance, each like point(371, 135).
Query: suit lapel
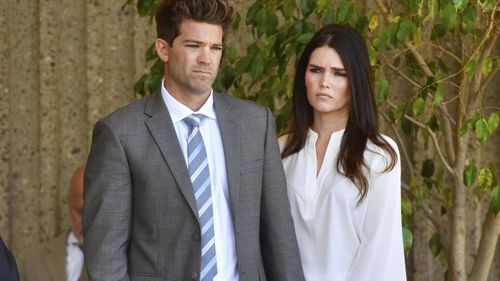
point(229, 126)
point(56, 257)
point(163, 132)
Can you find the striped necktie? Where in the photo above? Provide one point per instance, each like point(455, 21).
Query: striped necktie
point(200, 177)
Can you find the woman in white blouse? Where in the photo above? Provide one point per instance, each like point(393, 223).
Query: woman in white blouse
point(343, 176)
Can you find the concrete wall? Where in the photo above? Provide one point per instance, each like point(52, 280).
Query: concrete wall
point(63, 65)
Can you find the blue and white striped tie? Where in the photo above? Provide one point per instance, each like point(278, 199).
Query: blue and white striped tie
point(200, 177)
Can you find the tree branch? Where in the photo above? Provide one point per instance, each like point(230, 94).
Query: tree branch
point(448, 133)
point(434, 140)
point(427, 211)
point(487, 247)
point(418, 57)
point(411, 81)
point(452, 55)
point(486, 34)
point(406, 156)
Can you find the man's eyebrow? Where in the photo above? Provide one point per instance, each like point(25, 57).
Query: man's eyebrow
point(202, 42)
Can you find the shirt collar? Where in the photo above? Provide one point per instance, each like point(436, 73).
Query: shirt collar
point(72, 239)
point(179, 111)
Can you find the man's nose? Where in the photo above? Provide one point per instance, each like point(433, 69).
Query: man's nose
point(204, 56)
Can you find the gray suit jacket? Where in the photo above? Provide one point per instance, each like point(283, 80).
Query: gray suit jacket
point(140, 217)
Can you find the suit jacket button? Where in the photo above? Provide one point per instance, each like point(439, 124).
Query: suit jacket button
point(196, 237)
point(194, 277)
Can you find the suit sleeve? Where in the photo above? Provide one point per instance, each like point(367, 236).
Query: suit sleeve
point(107, 207)
point(381, 251)
point(279, 248)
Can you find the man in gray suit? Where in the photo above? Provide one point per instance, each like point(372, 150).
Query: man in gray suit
point(188, 184)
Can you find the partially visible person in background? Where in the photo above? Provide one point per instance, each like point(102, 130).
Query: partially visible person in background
point(343, 176)
point(60, 259)
point(8, 268)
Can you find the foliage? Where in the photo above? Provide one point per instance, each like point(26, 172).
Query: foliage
point(440, 51)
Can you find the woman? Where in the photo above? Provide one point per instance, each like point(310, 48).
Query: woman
point(343, 176)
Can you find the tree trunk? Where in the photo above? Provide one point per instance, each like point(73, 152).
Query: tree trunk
point(487, 247)
point(456, 257)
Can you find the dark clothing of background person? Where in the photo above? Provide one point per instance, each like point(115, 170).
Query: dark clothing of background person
point(8, 267)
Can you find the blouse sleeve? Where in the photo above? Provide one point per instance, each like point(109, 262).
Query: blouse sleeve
point(381, 254)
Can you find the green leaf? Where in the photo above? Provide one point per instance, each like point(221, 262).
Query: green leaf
point(470, 174)
point(470, 68)
point(400, 111)
point(493, 122)
point(487, 5)
point(287, 8)
point(343, 11)
point(407, 239)
point(485, 179)
point(427, 168)
point(418, 106)
point(383, 90)
point(438, 31)
point(433, 7)
point(257, 68)
point(460, 4)
point(307, 7)
point(144, 7)
point(406, 208)
point(407, 126)
point(438, 95)
point(468, 17)
point(486, 66)
point(231, 54)
point(449, 16)
point(435, 244)
point(252, 13)
point(272, 22)
point(305, 38)
point(433, 123)
point(151, 53)
point(405, 31)
point(262, 23)
point(373, 23)
point(481, 129)
point(495, 200)
point(229, 76)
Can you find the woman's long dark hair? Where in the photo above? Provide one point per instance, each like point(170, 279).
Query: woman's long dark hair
point(362, 123)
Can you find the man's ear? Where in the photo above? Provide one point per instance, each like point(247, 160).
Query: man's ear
point(162, 46)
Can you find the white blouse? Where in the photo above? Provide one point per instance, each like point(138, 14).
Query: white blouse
point(339, 240)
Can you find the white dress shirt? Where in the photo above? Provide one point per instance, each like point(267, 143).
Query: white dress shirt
point(74, 258)
point(225, 246)
point(339, 240)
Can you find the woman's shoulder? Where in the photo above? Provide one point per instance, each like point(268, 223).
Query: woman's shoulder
point(377, 154)
point(375, 148)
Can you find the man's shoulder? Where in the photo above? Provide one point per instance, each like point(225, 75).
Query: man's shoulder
point(128, 111)
point(241, 104)
point(37, 251)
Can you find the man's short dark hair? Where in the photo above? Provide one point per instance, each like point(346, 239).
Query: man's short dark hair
point(171, 13)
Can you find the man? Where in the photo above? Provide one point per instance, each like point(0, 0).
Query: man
point(188, 183)
point(60, 259)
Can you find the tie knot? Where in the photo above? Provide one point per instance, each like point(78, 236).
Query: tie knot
point(193, 120)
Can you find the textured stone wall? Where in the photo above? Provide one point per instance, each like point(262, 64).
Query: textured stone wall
point(63, 65)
